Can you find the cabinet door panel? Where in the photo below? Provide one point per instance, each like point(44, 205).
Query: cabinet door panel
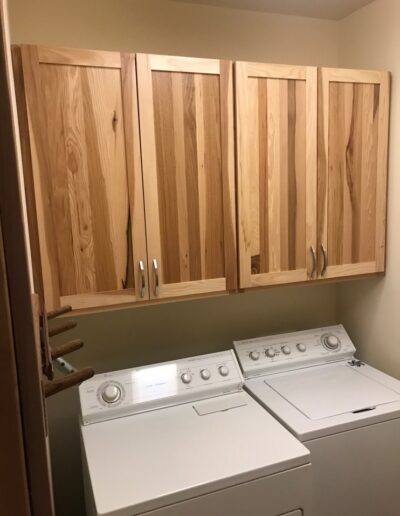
point(87, 189)
point(187, 131)
point(276, 131)
point(352, 171)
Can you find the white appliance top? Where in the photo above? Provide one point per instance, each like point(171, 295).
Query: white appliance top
point(330, 391)
point(294, 350)
point(183, 447)
point(318, 388)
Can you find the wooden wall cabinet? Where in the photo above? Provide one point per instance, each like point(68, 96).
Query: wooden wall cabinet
point(310, 207)
point(276, 123)
point(352, 171)
point(130, 174)
point(81, 154)
point(187, 134)
point(103, 231)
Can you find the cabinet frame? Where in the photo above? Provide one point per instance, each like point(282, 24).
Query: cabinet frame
point(27, 60)
point(243, 71)
point(336, 75)
point(146, 64)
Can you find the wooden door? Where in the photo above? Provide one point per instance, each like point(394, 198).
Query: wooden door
point(79, 127)
point(186, 122)
point(25, 483)
point(352, 171)
point(276, 127)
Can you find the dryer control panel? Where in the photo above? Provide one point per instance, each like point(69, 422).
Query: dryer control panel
point(294, 350)
point(130, 391)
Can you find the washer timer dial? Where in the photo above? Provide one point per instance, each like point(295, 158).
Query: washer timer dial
point(111, 393)
point(330, 342)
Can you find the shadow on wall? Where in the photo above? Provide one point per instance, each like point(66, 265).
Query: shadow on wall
point(132, 337)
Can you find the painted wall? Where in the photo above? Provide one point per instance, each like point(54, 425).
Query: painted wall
point(132, 337)
point(370, 38)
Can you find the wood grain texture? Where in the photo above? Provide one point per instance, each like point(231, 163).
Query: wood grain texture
point(27, 170)
point(228, 172)
point(196, 65)
point(352, 171)
point(188, 167)
point(273, 71)
point(88, 194)
point(276, 146)
point(137, 246)
point(78, 57)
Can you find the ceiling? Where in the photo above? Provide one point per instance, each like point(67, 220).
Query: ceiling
point(329, 9)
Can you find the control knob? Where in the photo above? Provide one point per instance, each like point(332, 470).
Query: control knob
point(331, 342)
point(301, 347)
point(270, 353)
point(254, 355)
point(186, 378)
point(223, 370)
point(286, 350)
point(205, 374)
point(111, 393)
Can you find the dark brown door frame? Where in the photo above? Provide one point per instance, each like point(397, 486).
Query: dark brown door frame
point(23, 380)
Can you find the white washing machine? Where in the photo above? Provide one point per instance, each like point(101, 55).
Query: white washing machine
point(183, 439)
point(345, 412)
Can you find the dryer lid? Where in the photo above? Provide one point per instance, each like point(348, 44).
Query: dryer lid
point(322, 392)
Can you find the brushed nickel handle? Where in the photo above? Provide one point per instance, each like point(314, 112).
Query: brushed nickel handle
point(142, 278)
point(156, 278)
point(325, 256)
point(314, 258)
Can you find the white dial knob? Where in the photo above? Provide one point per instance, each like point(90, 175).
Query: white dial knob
point(254, 355)
point(186, 378)
point(270, 352)
point(286, 350)
point(223, 370)
point(205, 374)
point(331, 342)
point(301, 347)
point(111, 393)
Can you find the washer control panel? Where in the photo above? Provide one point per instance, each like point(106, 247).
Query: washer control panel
point(121, 393)
point(289, 351)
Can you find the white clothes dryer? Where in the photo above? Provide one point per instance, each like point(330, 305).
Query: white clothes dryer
point(182, 438)
point(346, 413)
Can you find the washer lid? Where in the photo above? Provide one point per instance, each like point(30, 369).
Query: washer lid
point(153, 459)
point(325, 392)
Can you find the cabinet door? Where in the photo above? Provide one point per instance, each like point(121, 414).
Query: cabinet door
point(79, 117)
point(352, 172)
point(276, 127)
point(186, 124)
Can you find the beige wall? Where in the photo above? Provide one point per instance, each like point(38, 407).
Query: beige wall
point(173, 27)
point(370, 310)
point(130, 337)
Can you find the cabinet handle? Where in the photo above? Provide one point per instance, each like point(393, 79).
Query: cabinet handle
point(325, 256)
point(156, 278)
point(314, 261)
point(142, 278)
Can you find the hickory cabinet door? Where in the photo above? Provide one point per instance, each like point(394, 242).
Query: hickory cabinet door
point(84, 155)
point(186, 125)
point(276, 131)
point(352, 171)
